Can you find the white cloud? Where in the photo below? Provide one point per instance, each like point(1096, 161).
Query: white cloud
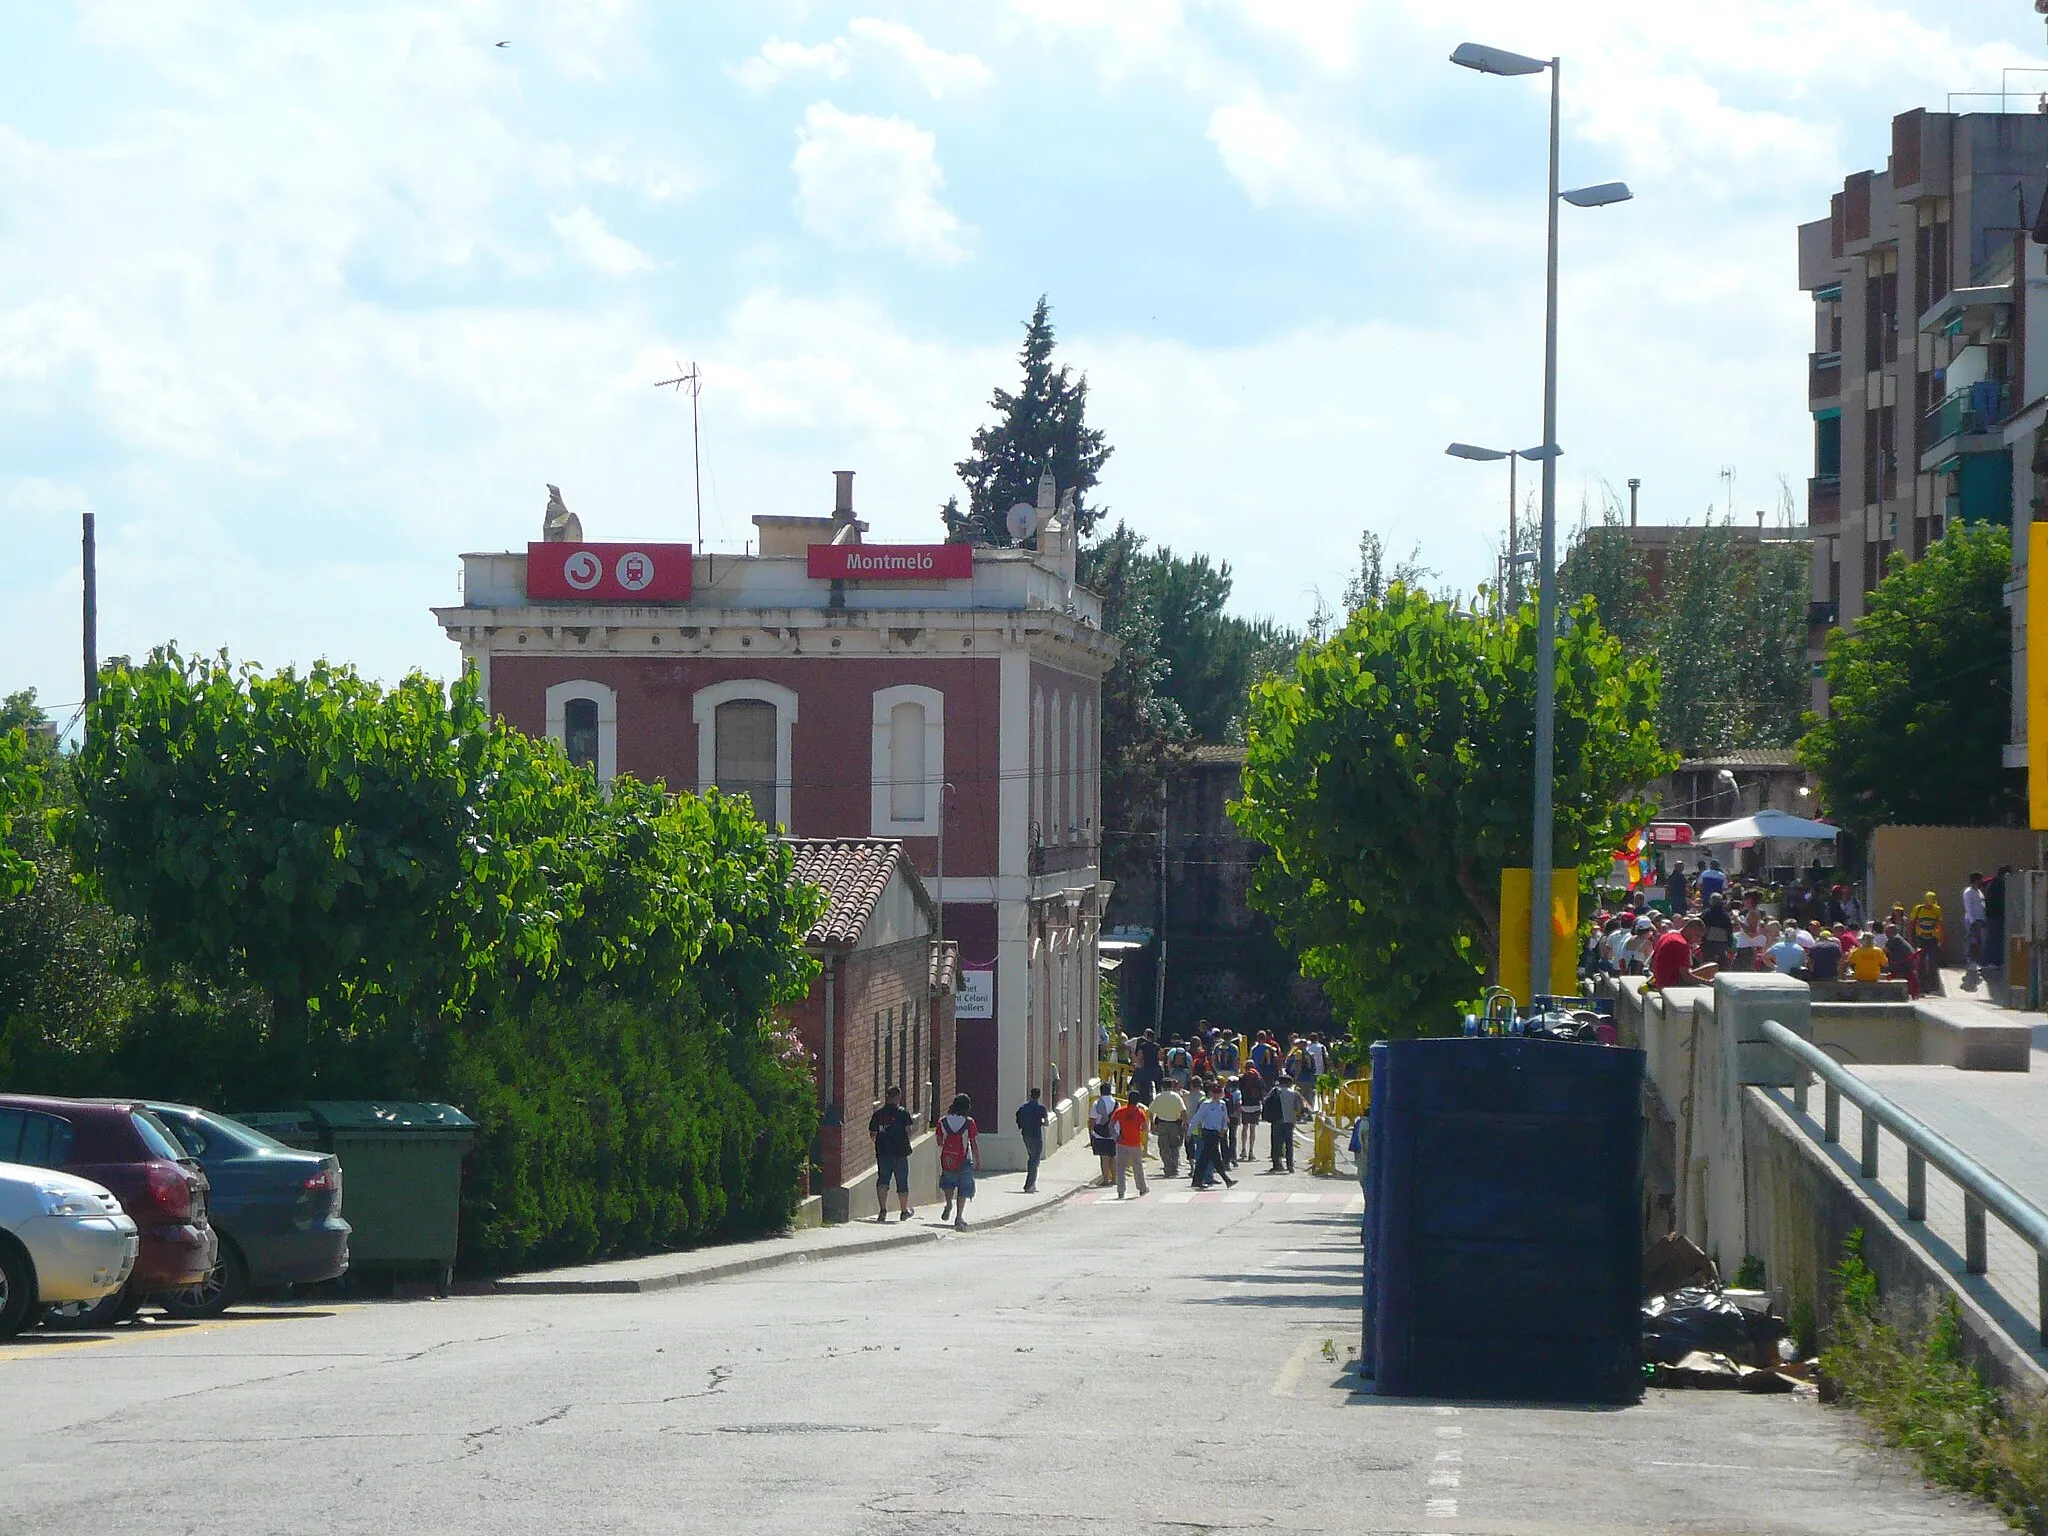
point(941, 73)
point(590, 242)
point(864, 182)
point(779, 59)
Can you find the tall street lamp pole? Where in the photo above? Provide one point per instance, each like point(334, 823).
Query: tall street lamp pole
point(1498, 61)
point(1511, 586)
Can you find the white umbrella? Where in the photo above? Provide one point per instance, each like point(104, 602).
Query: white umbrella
point(1770, 823)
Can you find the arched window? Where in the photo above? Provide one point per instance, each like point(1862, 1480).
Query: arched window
point(744, 733)
point(584, 717)
point(907, 765)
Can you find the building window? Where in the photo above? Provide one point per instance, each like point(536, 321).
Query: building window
point(584, 718)
point(1031, 752)
point(744, 734)
point(1073, 795)
point(907, 765)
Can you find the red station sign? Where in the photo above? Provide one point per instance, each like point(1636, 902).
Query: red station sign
point(891, 562)
point(608, 573)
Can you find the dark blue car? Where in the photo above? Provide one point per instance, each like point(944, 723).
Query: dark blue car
point(277, 1210)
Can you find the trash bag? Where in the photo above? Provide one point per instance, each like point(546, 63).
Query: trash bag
point(1694, 1319)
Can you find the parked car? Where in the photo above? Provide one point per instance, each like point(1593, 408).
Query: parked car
point(127, 1149)
point(277, 1210)
point(62, 1239)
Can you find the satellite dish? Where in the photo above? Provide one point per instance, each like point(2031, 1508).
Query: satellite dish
point(1023, 521)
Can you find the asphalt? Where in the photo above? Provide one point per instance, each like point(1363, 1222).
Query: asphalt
point(1150, 1365)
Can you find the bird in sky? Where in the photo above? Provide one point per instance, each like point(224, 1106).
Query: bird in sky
point(506, 44)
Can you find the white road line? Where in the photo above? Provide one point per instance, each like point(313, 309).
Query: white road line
point(1184, 1197)
point(1304, 1199)
point(1441, 1508)
point(1239, 1197)
point(1450, 1432)
point(1443, 1479)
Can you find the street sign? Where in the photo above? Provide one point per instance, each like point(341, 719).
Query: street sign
point(976, 998)
point(608, 573)
point(891, 562)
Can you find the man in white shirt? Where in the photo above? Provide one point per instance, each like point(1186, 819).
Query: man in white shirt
point(1973, 930)
point(1169, 1126)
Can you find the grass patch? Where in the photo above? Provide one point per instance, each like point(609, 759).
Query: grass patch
point(1907, 1375)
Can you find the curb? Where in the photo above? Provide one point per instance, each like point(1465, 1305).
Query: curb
point(753, 1263)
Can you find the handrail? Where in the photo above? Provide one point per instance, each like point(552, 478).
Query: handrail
point(1982, 1189)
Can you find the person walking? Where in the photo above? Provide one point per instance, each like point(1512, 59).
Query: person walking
point(1031, 1117)
point(1281, 1110)
point(1251, 1096)
point(1211, 1124)
point(889, 1127)
point(1101, 1134)
point(1925, 927)
point(1169, 1125)
point(959, 1156)
point(1974, 926)
point(1130, 1123)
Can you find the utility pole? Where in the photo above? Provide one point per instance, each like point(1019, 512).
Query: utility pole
point(694, 382)
point(1159, 980)
point(91, 632)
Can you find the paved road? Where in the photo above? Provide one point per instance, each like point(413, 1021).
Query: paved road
point(1131, 1368)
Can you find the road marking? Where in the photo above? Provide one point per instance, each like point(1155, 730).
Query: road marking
point(1441, 1508)
point(1450, 1432)
point(1290, 1373)
point(1239, 1197)
point(1304, 1199)
point(135, 1333)
point(1184, 1197)
point(1442, 1479)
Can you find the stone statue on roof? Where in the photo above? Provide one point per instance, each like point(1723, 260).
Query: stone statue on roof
point(558, 524)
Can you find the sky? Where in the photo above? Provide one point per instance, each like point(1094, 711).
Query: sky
point(303, 301)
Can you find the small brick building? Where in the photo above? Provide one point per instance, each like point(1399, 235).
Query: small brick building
point(880, 1014)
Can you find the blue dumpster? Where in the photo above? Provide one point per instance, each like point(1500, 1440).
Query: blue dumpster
point(1504, 1253)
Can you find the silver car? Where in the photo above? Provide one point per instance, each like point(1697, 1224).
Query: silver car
point(62, 1239)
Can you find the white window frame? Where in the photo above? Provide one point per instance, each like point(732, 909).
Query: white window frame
point(933, 703)
point(704, 710)
point(607, 702)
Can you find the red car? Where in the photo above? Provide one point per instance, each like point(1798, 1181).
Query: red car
point(127, 1149)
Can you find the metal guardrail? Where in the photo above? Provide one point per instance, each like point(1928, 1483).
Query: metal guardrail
point(1983, 1190)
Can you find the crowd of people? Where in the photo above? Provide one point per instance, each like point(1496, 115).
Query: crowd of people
point(1819, 933)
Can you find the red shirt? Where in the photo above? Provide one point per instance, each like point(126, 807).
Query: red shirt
point(1671, 960)
point(1130, 1123)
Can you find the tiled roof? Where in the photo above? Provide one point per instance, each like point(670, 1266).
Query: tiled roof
point(852, 872)
point(945, 965)
point(1744, 757)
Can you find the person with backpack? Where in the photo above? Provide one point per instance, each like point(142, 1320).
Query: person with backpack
point(889, 1127)
point(1031, 1117)
point(1265, 1056)
point(1101, 1134)
point(1131, 1123)
point(959, 1156)
point(1281, 1109)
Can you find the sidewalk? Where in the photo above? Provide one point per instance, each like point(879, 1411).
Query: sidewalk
point(999, 1200)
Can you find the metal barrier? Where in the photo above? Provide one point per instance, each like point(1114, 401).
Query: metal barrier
point(1983, 1191)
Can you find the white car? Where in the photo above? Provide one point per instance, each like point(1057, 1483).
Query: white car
point(62, 1239)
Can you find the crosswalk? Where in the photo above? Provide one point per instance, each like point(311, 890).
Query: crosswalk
point(1349, 1201)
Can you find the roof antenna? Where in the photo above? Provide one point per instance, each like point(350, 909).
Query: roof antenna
point(694, 382)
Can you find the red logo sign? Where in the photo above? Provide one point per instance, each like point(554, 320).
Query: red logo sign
point(608, 573)
point(891, 562)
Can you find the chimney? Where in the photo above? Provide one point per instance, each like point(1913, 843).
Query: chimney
point(1634, 485)
point(842, 495)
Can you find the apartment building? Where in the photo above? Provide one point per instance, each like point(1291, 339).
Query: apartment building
point(1919, 363)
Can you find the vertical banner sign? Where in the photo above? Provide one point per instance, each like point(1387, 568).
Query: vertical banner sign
point(1564, 933)
point(2037, 676)
point(608, 573)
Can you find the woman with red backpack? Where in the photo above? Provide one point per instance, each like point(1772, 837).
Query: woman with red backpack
point(959, 1155)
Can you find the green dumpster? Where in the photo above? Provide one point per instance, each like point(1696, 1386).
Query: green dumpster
point(401, 1177)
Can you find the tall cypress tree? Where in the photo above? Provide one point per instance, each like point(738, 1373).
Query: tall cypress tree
point(1042, 426)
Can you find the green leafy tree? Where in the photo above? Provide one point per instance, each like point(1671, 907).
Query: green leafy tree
point(1144, 732)
point(1042, 425)
point(1920, 695)
point(21, 797)
point(1212, 657)
point(1728, 629)
point(1389, 778)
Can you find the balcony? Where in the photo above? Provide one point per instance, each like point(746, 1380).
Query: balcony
point(1975, 408)
point(1824, 500)
point(1823, 377)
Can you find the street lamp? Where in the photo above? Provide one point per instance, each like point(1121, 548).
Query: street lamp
point(1491, 455)
point(1498, 61)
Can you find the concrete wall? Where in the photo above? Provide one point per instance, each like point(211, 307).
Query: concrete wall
point(1908, 862)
